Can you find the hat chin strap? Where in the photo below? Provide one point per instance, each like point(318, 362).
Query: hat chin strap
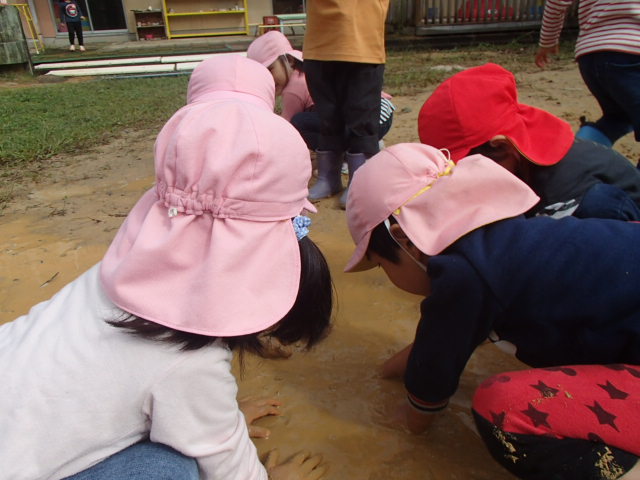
point(417, 262)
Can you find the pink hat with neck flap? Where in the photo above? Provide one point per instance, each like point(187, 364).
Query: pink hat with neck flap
point(435, 201)
point(268, 47)
point(211, 249)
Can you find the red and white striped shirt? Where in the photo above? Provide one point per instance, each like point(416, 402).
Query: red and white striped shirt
point(605, 25)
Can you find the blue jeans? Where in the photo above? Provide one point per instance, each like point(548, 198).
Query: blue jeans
point(607, 201)
point(614, 80)
point(142, 461)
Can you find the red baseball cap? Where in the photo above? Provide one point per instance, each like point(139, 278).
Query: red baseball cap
point(473, 106)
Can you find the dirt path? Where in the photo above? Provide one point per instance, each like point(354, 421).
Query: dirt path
point(335, 403)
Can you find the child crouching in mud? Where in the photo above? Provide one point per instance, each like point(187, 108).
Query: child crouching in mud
point(126, 372)
point(562, 292)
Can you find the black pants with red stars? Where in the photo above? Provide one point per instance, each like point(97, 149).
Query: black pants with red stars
point(562, 423)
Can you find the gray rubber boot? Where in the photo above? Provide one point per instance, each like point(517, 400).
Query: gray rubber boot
point(329, 180)
point(354, 161)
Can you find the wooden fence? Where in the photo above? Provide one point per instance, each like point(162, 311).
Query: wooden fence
point(458, 16)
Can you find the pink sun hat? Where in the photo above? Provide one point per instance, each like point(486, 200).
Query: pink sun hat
point(268, 47)
point(435, 201)
point(211, 249)
point(223, 74)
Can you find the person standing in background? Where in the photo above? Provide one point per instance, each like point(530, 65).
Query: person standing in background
point(274, 51)
point(344, 57)
point(72, 16)
point(608, 54)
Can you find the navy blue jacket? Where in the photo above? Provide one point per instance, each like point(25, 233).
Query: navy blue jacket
point(586, 164)
point(563, 291)
point(70, 12)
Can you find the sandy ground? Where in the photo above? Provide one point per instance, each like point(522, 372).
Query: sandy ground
point(334, 400)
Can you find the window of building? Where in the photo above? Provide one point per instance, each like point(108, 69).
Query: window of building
point(99, 14)
point(288, 6)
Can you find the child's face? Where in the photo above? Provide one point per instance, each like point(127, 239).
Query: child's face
point(279, 71)
point(406, 274)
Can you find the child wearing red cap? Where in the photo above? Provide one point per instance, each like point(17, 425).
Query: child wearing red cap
point(477, 111)
point(126, 372)
point(556, 291)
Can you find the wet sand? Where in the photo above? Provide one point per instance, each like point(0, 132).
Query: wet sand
point(334, 401)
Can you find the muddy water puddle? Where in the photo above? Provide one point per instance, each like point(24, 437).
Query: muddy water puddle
point(334, 401)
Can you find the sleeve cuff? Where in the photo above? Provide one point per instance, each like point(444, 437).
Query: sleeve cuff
point(426, 407)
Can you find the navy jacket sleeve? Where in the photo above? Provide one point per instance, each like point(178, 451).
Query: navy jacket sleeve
point(455, 319)
point(586, 164)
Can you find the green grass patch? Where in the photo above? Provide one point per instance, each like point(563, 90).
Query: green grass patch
point(42, 121)
point(411, 70)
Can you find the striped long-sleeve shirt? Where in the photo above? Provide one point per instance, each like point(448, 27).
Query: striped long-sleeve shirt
point(386, 108)
point(605, 25)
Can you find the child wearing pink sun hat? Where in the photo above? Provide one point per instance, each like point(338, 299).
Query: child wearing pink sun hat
point(553, 291)
point(274, 51)
point(126, 372)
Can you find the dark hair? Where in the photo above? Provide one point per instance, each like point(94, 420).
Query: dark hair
point(295, 63)
point(383, 244)
point(308, 320)
point(497, 153)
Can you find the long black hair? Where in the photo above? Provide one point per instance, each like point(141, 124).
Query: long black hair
point(308, 321)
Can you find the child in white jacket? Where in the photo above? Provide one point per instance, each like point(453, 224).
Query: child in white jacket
point(125, 373)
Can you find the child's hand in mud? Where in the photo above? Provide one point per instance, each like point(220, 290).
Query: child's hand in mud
point(402, 416)
point(302, 466)
point(255, 408)
point(396, 365)
point(416, 421)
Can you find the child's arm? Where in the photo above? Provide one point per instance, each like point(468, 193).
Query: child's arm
point(448, 332)
point(396, 365)
point(420, 414)
point(414, 415)
point(552, 23)
point(292, 104)
point(193, 409)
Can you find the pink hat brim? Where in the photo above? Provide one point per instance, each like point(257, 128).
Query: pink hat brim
point(297, 54)
point(151, 271)
point(433, 208)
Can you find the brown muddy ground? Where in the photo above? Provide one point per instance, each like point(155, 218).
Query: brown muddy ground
point(334, 400)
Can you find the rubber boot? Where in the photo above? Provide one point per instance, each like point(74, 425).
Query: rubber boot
point(589, 132)
point(329, 181)
point(354, 161)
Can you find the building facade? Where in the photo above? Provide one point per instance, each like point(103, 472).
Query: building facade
point(114, 20)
